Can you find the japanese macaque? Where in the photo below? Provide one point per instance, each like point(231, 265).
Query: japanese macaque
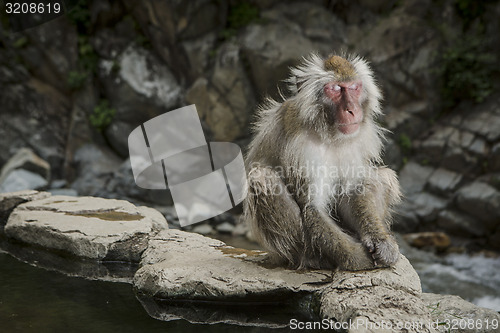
point(317, 195)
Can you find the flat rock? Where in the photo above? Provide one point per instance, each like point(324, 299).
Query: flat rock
point(9, 201)
point(88, 227)
point(180, 267)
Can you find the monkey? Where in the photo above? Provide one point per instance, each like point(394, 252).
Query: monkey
point(318, 194)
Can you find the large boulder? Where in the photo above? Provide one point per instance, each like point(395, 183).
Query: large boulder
point(86, 227)
point(180, 266)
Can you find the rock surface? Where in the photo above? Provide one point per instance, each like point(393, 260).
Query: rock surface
point(9, 201)
point(180, 266)
point(457, 315)
point(87, 227)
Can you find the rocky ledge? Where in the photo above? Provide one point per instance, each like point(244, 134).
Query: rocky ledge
point(186, 275)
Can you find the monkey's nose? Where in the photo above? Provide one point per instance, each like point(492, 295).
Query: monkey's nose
point(352, 113)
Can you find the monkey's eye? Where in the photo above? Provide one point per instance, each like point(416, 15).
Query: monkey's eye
point(354, 86)
point(334, 87)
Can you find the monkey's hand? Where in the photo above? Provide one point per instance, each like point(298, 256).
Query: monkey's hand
point(384, 250)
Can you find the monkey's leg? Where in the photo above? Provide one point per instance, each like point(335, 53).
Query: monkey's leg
point(304, 238)
point(274, 216)
point(369, 212)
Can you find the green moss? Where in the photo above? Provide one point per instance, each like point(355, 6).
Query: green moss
point(76, 79)
point(404, 142)
point(240, 15)
point(20, 42)
point(102, 115)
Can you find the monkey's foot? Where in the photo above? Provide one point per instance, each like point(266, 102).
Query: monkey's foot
point(385, 252)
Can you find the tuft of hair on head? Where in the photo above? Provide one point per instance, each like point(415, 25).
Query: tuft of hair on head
point(343, 69)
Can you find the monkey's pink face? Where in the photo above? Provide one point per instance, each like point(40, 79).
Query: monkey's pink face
point(346, 98)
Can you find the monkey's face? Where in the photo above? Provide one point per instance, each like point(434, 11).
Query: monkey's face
point(336, 97)
point(343, 101)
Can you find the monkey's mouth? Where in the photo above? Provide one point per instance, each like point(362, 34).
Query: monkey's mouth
point(348, 128)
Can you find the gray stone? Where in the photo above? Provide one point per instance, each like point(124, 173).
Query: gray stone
point(271, 49)
point(478, 146)
point(413, 177)
point(117, 134)
point(224, 101)
point(460, 224)
point(198, 51)
point(203, 229)
point(466, 316)
point(444, 181)
point(480, 200)
point(484, 124)
point(494, 161)
point(225, 228)
point(86, 227)
point(121, 184)
point(427, 206)
point(139, 87)
point(149, 77)
point(9, 201)
point(459, 160)
point(26, 159)
point(186, 266)
point(94, 165)
point(20, 179)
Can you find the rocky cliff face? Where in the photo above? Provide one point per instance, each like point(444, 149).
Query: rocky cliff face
point(72, 90)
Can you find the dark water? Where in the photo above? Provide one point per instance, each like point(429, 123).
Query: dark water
point(37, 300)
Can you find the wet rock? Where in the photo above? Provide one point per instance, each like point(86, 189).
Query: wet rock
point(466, 316)
point(112, 271)
point(437, 240)
point(184, 266)
point(20, 179)
point(86, 227)
point(9, 201)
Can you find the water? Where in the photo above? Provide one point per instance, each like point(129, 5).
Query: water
point(38, 300)
point(474, 278)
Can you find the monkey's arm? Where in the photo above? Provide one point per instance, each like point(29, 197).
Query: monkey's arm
point(329, 243)
point(370, 214)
